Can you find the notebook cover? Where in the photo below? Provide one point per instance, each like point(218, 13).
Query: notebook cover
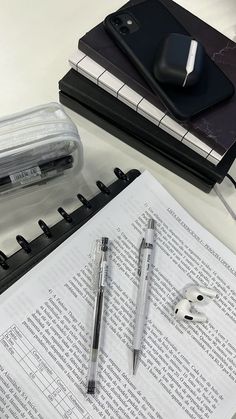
point(154, 140)
point(217, 126)
point(201, 182)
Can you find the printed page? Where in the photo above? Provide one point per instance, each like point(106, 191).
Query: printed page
point(186, 370)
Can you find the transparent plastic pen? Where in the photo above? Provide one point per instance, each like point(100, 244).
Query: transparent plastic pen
point(98, 316)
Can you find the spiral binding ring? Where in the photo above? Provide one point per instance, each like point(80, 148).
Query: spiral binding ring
point(3, 259)
point(103, 188)
point(45, 228)
point(121, 175)
point(84, 201)
point(65, 215)
point(23, 243)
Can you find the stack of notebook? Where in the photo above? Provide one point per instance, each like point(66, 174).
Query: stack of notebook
point(103, 86)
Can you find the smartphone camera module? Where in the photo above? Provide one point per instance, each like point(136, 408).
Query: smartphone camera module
point(117, 21)
point(124, 23)
point(124, 30)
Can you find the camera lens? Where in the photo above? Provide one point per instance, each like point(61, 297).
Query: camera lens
point(124, 30)
point(117, 21)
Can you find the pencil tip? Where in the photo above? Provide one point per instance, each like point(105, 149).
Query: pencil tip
point(135, 360)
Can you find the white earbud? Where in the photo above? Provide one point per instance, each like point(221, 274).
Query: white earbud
point(196, 294)
point(183, 312)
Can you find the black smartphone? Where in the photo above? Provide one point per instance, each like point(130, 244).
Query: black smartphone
point(137, 31)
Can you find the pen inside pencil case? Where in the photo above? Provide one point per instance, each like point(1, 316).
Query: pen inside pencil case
point(37, 145)
point(42, 171)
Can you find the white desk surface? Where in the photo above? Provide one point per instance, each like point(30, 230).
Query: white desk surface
point(36, 39)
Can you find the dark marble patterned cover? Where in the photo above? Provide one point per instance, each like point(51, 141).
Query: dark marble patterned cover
point(216, 126)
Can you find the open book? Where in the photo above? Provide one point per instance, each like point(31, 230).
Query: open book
point(187, 370)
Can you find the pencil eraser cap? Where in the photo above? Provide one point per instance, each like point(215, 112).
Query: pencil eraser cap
point(179, 60)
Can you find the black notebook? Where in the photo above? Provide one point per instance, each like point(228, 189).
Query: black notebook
point(31, 253)
point(91, 101)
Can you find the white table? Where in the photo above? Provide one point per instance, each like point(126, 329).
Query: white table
point(36, 39)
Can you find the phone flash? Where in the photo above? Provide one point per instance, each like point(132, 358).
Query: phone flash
point(129, 22)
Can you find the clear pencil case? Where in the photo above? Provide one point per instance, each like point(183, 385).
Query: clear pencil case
point(36, 146)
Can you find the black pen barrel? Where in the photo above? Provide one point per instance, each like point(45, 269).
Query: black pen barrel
point(98, 317)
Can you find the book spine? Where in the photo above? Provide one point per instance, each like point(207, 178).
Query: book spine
point(186, 172)
point(104, 104)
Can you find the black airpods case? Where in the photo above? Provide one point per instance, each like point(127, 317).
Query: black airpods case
point(179, 60)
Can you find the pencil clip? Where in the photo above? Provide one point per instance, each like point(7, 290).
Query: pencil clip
point(121, 175)
point(3, 260)
point(65, 215)
point(23, 243)
point(103, 188)
point(140, 255)
point(45, 228)
point(84, 201)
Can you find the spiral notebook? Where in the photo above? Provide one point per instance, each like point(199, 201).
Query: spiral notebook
point(12, 268)
point(84, 65)
point(186, 370)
